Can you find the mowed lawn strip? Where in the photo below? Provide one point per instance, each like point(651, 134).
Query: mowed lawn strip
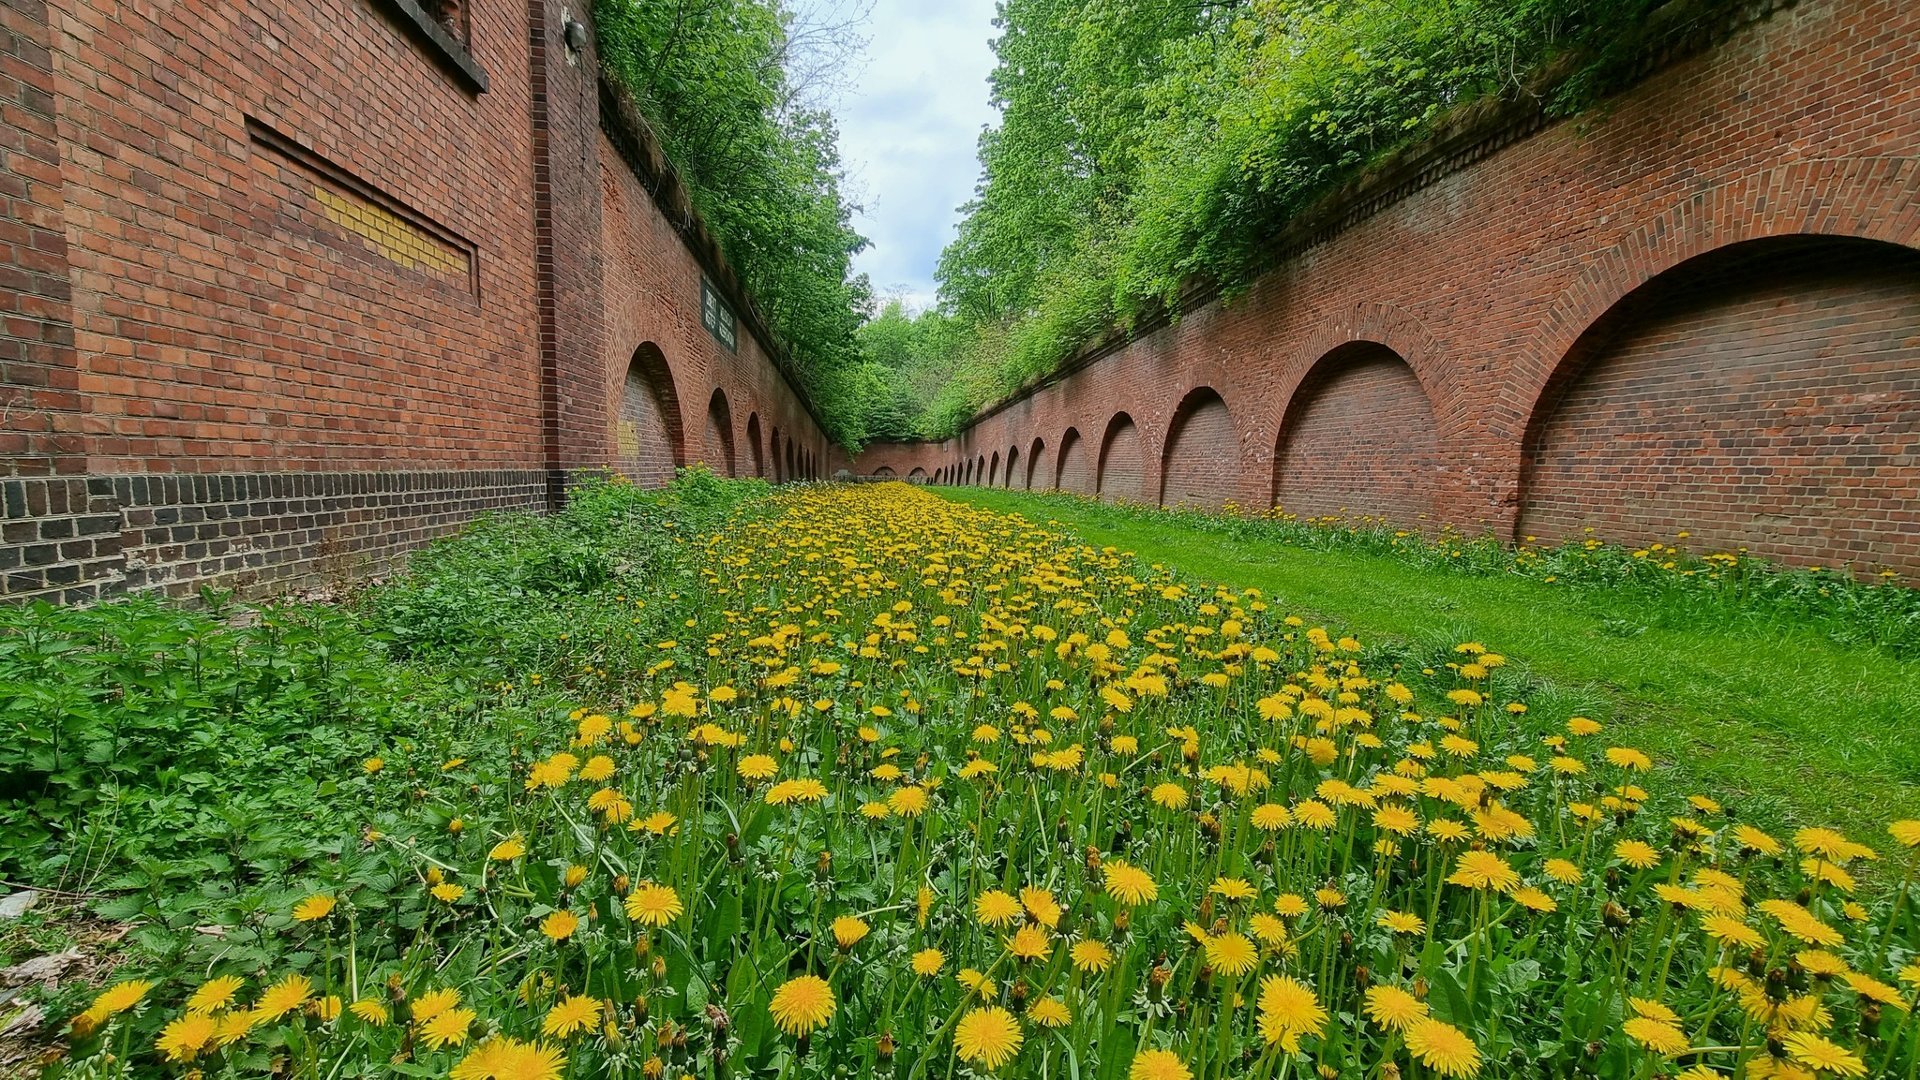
point(1788, 727)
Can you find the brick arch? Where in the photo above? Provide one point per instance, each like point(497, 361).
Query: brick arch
point(648, 436)
point(979, 475)
point(917, 475)
point(793, 472)
point(887, 471)
point(1865, 198)
point(1359, 437)
point(993, 470)
point(719, 433)
point(1200, 464)
point(1038, 447)
point(1383, 324)
point(1121, 473)
point(1013, 466)
point(1759, 395)
point(1072, 466)
point(756, 457)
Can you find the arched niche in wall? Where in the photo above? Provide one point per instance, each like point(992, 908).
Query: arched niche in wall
point(1358, 440)
point(1760, 395)
point(649, 443)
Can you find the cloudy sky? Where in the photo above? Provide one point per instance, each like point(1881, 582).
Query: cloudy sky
point(910, 109)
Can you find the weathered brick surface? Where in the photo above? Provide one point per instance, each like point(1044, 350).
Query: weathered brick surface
point(1199, 466)
point(1560, 293)
point(288, 287)
point(1359, 441)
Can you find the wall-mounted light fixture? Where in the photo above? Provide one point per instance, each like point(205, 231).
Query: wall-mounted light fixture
point(575, 33)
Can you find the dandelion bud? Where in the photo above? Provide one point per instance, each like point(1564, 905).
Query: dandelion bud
point(1362, 977)
point(1594, 1049)
point(1206, 908)
point(654, 1069)
point(1093, 859)
point(1328, 1072)
point(1020, 990)
point(611, 1030)
point(640, 1009)
point(823, 866)
point(659, 967)
point(1420, 989)
point(664, 1037)
point(643, 947)
point(1616, 918)
point(1389, 1071)
point(1776, 1048)
point(718, 1018)
point(1123, 921)
point(1777, 985)
point(1796, 977)
point(1346, 944)
point(885, 1047)
point(621, 884)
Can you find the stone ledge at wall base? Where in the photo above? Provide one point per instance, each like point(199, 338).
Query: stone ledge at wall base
point(76, 539)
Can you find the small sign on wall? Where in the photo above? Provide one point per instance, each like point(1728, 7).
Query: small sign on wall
point(717, 317)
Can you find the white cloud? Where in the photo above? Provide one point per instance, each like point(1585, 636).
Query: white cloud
point(910, 119)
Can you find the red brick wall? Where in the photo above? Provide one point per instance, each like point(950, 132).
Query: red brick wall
point(1201, 464)
point(1487, 259)
point(1359, 442)
point(40, 413)
point(648, 438)
point(1773, 405)
point(1122, 471)
point(652, 300)
point(288, 287)
point(1073, 464)
point(224, 321)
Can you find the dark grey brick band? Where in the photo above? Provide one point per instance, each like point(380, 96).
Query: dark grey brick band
point(81, 538)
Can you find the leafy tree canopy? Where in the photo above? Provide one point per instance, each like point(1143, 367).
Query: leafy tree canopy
point(1148, 144)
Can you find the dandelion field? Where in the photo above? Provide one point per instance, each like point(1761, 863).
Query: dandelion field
point(912, 789)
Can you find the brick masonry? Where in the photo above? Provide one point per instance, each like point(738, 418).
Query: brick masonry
point(290, 287)
point(1692, 309)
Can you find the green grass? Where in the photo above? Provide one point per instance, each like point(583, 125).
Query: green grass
point(1783, 723)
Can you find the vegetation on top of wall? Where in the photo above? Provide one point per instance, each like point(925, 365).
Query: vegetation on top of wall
point(714, 78)
point(1146, 146)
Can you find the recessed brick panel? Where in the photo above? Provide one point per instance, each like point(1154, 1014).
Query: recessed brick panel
point(649, 434)
point(1359, 442)
point(1074, 470)
point(1772, 405)
point(1201, 465)
point(1122, 473)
